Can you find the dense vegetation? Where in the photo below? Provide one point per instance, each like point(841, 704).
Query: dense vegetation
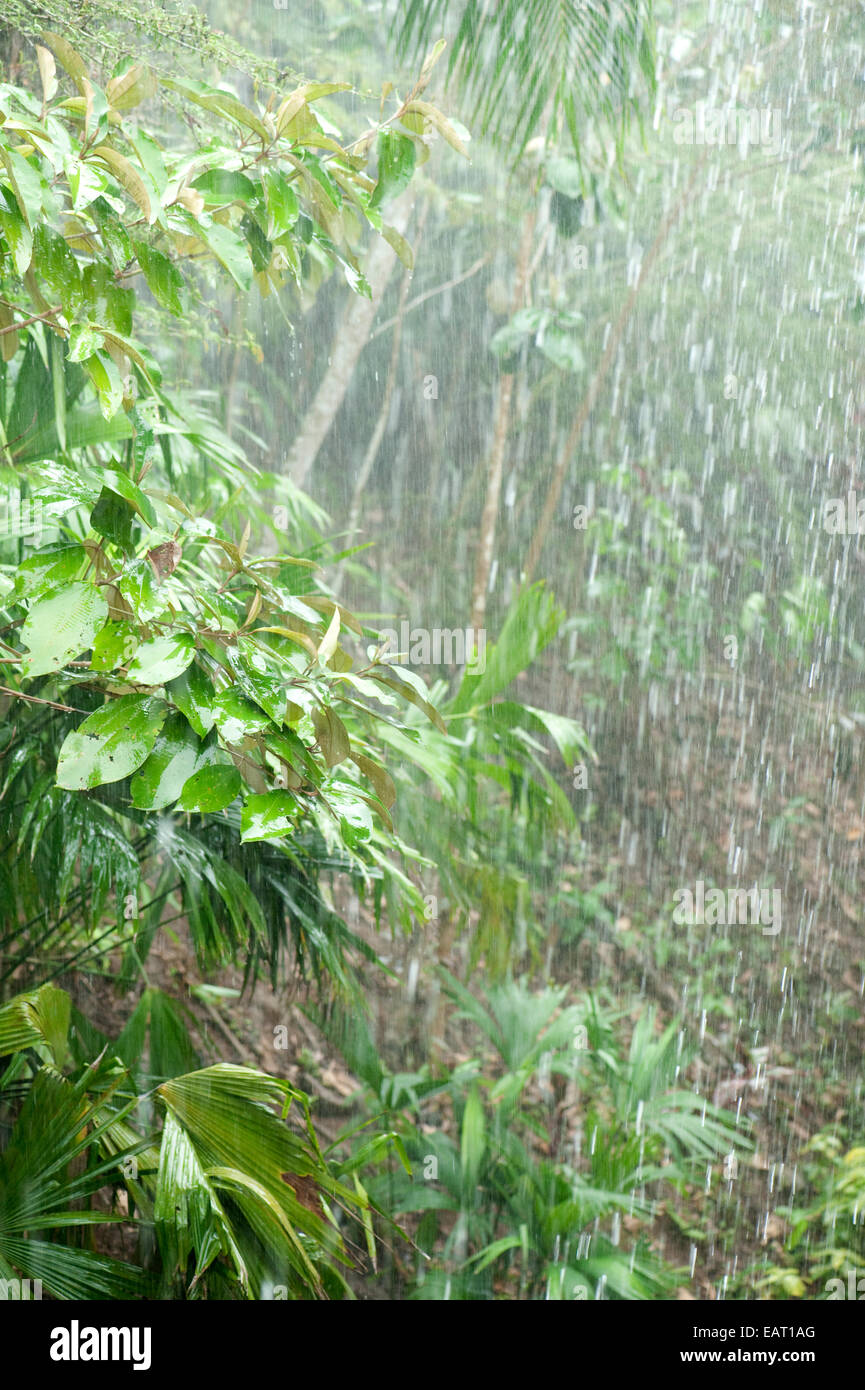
point(333, 970)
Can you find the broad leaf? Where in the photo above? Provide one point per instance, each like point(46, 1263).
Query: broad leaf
point(58, 628)
point(111, 743)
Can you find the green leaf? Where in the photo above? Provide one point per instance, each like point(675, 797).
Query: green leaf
point(114, 646)
point(472, 1139)
point(399, 244)
point(564, 176)
point(524, 323)
point(282, 203)
point(111, 743)
point(137, 587)
point(229, 249)
point(569, 737)
point(121, 483)
point(268, 816)
point(531, 624)
point(210, 789)
point(50, 567)
point(43, 1186)
point(60, 488)
point(236, 716)
point(233, 1133)
point(396, 162)
point(15, 231)
point(84, 341)
point(56, 266)
point(106, 379)
point(164, 280)
point(38, 1017)
point(114, 234)
point(162, 659)
point(327, 646)
point(562, 348)
point(26, 183)
point(160, 780)
point(224, 186)
point(193, 694)
point(113, 518)
point(257, 679)
point(57, 629)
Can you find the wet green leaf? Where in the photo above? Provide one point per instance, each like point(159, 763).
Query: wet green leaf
point(396, 162)
point(59, 628)
point(164, 280)
point(111, 743)
point(193, 693)
point(162, 659)
point(224, 186)
point(211, 789)
point(268, 816)
point(159, 782)
point(236, 716)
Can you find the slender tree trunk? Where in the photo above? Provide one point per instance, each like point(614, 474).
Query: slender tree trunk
point(487, 534)
point(351, 338)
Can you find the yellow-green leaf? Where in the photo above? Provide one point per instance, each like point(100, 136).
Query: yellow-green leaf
point(441, 123)
point(68, 58)
point(126, 176)
point(137, 84)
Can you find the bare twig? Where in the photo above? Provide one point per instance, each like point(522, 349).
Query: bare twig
point(34, 318)
point(430, 294)
point(35, 700)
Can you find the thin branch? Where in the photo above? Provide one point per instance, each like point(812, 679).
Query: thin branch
point(429, 294)
point(35, 700)
point(34, 318)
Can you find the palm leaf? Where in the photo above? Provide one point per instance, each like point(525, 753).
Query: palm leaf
point(514, 58)
point(234, 1140)
point(55, 1125)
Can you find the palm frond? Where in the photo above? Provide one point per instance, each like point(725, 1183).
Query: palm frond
point(39, 1192)
point(514, 59)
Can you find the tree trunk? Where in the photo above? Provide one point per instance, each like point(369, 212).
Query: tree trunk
point(487, 536)
point(351, 337)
